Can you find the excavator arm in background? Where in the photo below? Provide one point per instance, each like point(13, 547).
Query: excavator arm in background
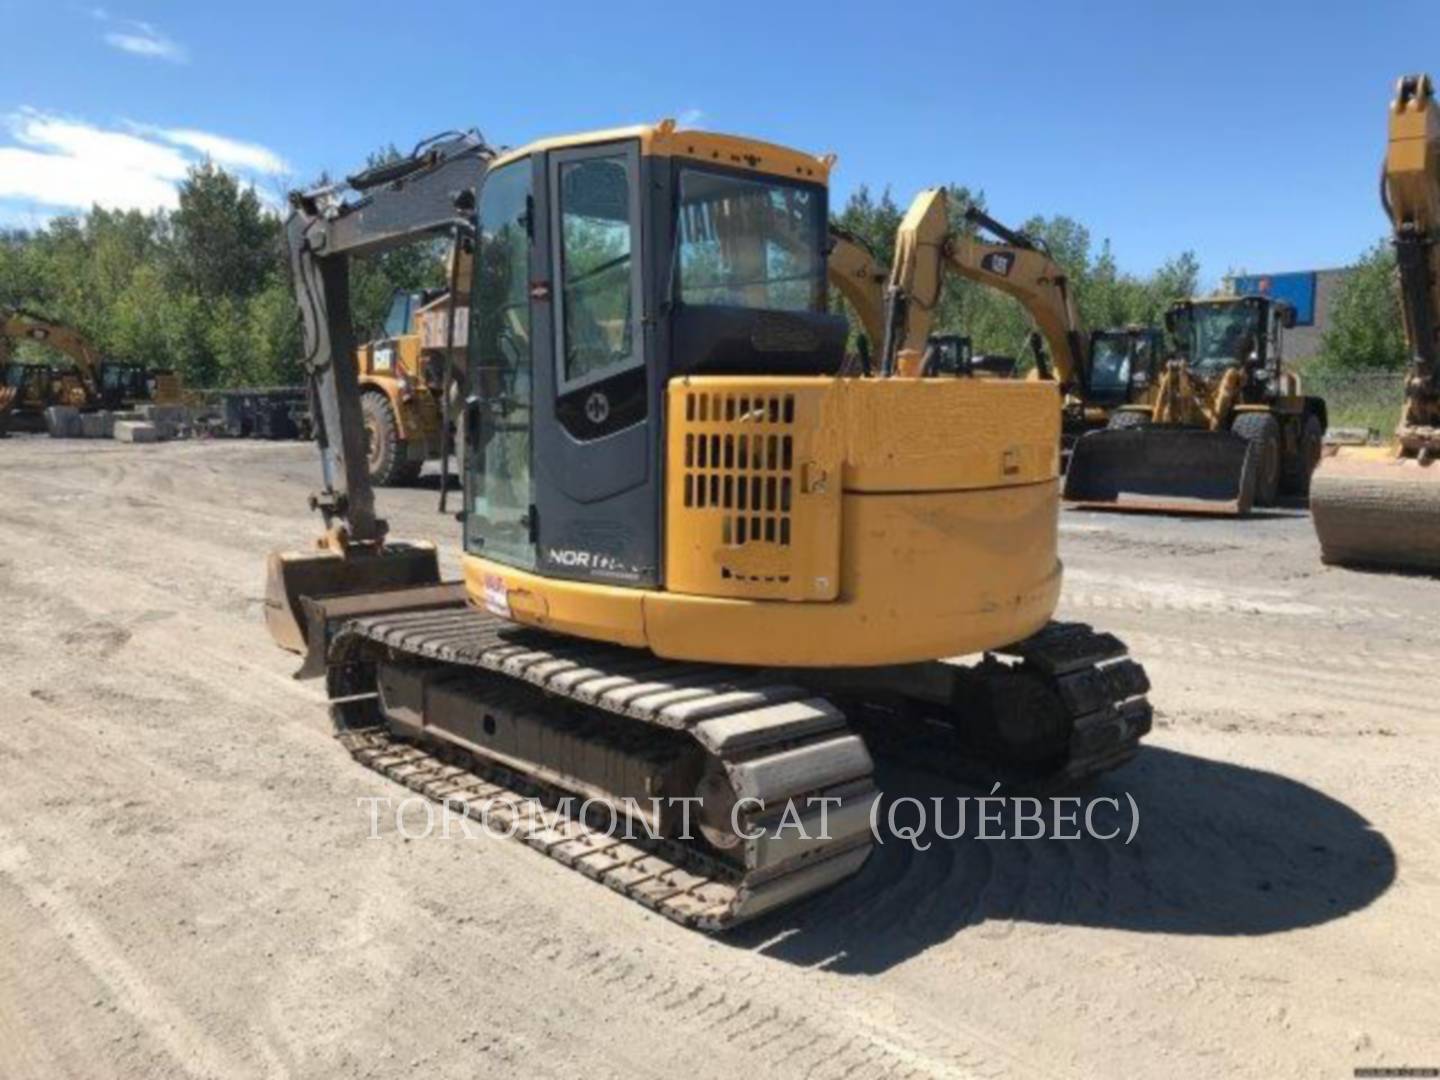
point(856, 273)
point(18, 325)
point(430, 193)
point(926, 249)
point(1380, 507)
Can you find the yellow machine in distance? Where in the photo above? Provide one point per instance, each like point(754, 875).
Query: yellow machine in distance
point(689, 536)
point(1381, 507)
point(1227, 425)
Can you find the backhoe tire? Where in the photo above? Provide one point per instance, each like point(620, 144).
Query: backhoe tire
point(1263, 430)
point(1295, 477)
point(384, 449)
point(1124, 421)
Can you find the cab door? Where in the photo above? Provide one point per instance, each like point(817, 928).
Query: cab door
point(595, 425)
point(499, 414)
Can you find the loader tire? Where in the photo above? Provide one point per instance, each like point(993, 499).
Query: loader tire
point(384, 449)
point(1124, 421)
point(1295, 477)
point(1263, 430)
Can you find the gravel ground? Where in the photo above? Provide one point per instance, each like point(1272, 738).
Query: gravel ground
point(187, 887)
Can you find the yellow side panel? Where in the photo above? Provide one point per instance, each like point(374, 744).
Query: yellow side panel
point(947, 434)
point(924, 576)
point(596, 612)
point(752, 490)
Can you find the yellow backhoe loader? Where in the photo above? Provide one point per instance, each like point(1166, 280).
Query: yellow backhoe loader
point(701, 567)
point(1227, 427)
point(1381, 507)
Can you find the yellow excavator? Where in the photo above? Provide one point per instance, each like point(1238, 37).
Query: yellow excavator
point(88, 382)
point(704, 572)
point(1097, 373)
point(35, 387)
point(1381, 507)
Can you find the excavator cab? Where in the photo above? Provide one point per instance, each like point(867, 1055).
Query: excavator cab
point(1122, 365)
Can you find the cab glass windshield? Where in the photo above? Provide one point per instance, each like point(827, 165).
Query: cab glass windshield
point(750, 243)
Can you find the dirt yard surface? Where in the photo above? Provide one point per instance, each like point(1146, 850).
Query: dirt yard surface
point(187, 887)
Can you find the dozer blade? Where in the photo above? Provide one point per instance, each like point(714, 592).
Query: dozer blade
point(1176, 470)
point(1373, 509)
point(292, 577)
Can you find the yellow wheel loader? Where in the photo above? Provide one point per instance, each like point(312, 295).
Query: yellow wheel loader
point(704, 572)
point(1381, 507)
point(1227, 427)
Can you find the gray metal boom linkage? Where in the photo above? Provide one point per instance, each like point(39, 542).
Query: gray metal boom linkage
point(432, 192)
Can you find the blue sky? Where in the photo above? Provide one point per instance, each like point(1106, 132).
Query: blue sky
point(1248, 132)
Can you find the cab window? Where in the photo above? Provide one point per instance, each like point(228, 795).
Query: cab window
point(598, 286)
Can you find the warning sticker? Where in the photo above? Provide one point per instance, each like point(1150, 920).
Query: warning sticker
point(497, 597)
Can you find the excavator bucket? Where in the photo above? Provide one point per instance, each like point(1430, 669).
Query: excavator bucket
point(292, 578)
point(1175, 470)
point(1374, 509)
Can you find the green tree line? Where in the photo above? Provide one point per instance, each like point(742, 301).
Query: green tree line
point(1105, 295)
point(203, 289)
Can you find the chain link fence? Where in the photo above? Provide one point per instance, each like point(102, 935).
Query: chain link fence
point(1359, 399)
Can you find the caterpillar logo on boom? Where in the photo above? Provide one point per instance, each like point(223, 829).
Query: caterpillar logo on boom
point(998, 262)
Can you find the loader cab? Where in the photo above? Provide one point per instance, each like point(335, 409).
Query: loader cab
point(1230, 331)
point(605, 266)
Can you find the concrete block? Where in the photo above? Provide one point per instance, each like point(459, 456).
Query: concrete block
point(165, 414)
point(97, 425)
point(135, 431)
point(63, 422)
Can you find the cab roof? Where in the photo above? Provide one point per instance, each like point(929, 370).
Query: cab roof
point(667, 139)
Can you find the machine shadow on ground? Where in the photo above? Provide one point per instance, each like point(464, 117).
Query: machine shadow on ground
point(1221, 850)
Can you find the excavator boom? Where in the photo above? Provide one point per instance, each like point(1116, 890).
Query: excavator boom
point(1381, 507)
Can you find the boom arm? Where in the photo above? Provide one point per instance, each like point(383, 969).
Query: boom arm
point(1410, 191)
point(16, 325)
point(926, 248)
point(853, 269)
point(431, 192)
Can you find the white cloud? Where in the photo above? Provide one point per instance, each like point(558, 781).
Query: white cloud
point(691, 118)
point(142, 39)
point(251, 157)
point(66, 163)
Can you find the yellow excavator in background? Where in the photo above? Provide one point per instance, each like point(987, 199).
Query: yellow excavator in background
point(1381, 507)
point(1227, 425)
point(927, 249)
point(701, 566)
point(89, 382)
point(35, 387)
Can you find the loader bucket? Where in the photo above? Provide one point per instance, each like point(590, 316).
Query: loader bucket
point(1375, 510)
point(292, 577)
point(1175, 470)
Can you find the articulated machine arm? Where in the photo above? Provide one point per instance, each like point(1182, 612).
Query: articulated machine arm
point(430, 193)
point(17, 325)
point(1410, 191)
point(853, 269)
point(1380, 507)
point(926, 249)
